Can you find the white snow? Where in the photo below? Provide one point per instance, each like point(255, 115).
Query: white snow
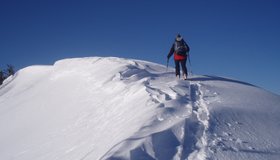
point(112, 108)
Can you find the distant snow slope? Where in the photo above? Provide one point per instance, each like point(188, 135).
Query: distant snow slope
point(114, 108)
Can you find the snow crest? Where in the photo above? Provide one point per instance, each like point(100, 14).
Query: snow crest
point(123, 109)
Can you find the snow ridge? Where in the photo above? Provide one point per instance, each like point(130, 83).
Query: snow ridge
point(108, 108)
point(179, 130)
point(162, 137)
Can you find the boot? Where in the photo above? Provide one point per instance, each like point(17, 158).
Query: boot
point(185, 76)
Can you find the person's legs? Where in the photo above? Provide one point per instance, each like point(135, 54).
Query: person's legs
point(184, 68)
point(177, 67)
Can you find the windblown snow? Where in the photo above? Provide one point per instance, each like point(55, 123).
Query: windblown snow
point(122, 109)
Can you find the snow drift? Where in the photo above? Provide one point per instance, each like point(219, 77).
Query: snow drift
point(114, 108)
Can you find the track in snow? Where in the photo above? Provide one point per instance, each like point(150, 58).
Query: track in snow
point(192, 128)
point(197, 125)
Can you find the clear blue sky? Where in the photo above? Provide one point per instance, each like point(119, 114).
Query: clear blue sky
point(232, 38)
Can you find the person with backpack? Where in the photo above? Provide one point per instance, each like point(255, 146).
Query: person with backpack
point(180, 49)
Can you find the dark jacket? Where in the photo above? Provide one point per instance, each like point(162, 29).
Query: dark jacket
point(177, 56)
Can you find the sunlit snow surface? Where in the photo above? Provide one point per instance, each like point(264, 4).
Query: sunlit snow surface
point(113, 108)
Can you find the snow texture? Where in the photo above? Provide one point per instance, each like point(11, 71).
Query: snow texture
point(111, 108)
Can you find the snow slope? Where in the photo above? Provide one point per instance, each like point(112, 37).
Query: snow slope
point(114, 108)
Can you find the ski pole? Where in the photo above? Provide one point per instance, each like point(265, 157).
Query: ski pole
point(189, 57)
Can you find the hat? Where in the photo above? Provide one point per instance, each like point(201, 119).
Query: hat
point(179, 37)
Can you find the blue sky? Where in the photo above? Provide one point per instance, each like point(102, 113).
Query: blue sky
point(239, 39)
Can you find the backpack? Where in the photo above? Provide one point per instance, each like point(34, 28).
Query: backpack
point(181, 47)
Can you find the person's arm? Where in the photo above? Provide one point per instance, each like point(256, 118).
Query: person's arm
point(170, 52)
